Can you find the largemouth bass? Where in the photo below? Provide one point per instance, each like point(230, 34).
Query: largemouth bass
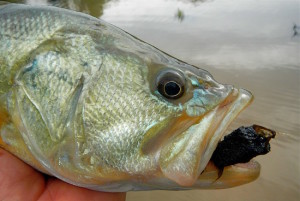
point(96, 107)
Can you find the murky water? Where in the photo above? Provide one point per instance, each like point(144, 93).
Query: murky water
point(251, 44)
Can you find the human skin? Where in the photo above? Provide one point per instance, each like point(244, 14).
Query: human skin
point(19, 181)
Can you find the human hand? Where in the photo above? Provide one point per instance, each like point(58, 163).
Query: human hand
point(19, 181)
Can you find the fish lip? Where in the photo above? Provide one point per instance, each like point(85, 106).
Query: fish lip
point(235, 103)
point(241, 173)
point(231, 176)
point(236, 174)
point(202, 145)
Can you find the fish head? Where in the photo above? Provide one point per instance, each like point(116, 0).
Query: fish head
point(165, 116)
point(182, 113)
point(185, 146)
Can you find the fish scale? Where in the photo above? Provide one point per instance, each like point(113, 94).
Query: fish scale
point(45, 83)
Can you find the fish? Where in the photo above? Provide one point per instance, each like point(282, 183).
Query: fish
point(92, 105)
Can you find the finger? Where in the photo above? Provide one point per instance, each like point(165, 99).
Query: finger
point(60, 191)
point(18, 180)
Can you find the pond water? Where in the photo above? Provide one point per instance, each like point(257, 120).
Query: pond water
point(251, 44)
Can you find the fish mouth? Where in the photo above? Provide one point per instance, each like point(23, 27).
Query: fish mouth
point(233, 175)
point(190, 166)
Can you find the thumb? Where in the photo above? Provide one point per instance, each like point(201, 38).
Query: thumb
point(18, 180)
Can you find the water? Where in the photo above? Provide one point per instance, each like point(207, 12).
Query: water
point(251, 44)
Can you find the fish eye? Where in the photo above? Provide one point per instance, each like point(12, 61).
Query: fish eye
point(170, 84)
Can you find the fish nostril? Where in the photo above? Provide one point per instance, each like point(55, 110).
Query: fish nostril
point(220, 92)
point(228, 87)
point(224, 88)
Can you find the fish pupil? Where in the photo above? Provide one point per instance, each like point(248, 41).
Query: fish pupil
point(172, 88)
point(170, 84)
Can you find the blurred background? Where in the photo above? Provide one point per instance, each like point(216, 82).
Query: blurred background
point(251, 44)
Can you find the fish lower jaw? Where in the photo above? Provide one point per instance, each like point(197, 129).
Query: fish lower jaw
point(231, 176)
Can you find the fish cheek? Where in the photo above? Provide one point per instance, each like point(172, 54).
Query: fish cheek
point(156, 136)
